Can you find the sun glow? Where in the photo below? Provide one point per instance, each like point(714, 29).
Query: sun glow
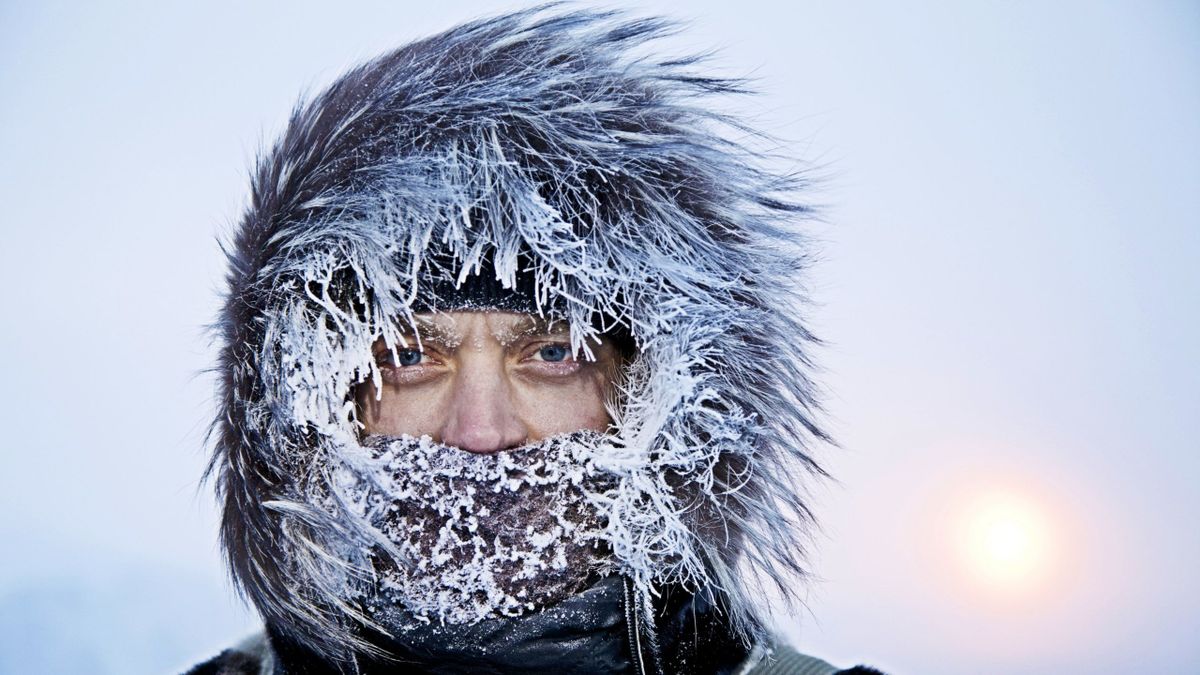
point(1006, 542)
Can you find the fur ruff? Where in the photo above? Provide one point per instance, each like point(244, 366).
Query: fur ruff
point(539, 140)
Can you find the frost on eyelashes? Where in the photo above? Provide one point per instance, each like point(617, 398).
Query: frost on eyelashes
point(480, 535)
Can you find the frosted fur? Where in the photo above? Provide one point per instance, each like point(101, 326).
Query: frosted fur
point(540, 140)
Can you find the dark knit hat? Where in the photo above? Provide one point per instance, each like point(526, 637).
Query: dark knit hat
point(480, 290)
point(483, 289)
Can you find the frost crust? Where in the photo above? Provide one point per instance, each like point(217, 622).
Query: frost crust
point(479, 536)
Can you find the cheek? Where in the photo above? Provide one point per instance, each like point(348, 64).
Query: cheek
point(550, 410)
point(413, 411)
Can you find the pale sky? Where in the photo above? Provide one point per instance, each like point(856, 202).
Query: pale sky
point(1008, 287)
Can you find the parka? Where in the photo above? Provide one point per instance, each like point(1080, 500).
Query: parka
point(551, 151)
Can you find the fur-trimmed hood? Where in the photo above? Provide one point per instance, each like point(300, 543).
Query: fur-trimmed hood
point(543, 142)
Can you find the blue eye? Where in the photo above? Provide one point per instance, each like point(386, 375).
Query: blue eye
point(403, 357)
point(556, 352)
point(408, 357)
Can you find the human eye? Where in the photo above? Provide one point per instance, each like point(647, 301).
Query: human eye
point(550, 358)
point(407, 365)
point(554, 352)
point(401, 358)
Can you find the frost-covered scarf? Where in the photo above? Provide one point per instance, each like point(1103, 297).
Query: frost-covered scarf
point(502, 562)
point(466, 536)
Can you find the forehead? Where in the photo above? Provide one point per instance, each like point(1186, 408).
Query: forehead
point(501, 325)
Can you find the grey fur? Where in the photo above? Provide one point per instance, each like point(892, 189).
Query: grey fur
point(539, 133)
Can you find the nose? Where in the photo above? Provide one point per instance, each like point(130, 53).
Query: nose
point(482, 417)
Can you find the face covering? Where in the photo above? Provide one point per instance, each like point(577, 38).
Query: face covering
point(467, 537)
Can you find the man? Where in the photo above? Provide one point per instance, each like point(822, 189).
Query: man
point(514, 377)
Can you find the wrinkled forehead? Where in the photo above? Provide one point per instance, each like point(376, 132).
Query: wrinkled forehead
point(502, 326)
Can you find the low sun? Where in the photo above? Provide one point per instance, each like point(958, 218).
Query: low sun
point(1006, 542)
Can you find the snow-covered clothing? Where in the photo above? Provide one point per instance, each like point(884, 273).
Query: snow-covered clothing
point(542, 148)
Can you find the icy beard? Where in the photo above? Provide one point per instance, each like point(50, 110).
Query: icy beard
point(478, 536)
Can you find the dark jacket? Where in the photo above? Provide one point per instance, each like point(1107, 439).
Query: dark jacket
point(543, 144)
point(255, 656)
point(593, 633)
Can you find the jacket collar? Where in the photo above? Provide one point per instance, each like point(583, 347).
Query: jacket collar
point(600, 631)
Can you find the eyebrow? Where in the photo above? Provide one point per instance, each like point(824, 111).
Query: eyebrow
point(428, 329)
point(534, 326)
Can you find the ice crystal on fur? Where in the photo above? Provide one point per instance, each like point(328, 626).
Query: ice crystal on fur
point(544, 142)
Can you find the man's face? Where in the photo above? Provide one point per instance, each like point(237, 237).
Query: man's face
point(486, 381)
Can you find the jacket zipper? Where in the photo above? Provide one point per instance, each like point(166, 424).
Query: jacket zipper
point(646, 658)
point(634, 630)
